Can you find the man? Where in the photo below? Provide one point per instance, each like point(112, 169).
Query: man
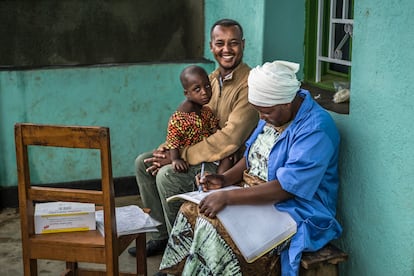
point(156, 178)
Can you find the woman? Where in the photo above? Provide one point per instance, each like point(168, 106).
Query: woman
point(291, 160)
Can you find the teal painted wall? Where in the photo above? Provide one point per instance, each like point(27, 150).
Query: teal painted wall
point(134, 101)
point(375, 197)
point(249, 13)
point(375, 200)
point(377, 157)
point(284, 28)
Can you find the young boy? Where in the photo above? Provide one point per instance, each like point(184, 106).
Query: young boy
point(192, 121)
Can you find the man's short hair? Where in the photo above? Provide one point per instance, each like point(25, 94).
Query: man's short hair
point(227, 23)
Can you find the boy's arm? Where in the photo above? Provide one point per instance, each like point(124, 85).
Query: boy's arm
point(174, 154)
point(241, 121)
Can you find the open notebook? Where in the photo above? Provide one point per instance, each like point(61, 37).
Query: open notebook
point(255, 229)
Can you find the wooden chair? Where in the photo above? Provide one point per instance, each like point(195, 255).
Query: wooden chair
point(324, 262)
point(72, 247)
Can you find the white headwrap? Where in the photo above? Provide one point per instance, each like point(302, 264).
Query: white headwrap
point(273, 83)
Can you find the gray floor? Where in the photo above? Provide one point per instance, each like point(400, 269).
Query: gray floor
point(11, 247)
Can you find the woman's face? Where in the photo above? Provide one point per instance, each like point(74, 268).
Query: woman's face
point(276, 115)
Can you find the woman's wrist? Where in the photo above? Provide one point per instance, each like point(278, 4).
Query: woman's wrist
point(223, 181)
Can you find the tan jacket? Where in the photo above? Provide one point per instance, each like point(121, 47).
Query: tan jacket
point(237, 119)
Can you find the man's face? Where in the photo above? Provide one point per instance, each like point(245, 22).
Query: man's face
point(227, 47)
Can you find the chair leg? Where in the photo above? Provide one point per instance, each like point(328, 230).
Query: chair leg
point(30, 267)
point(71, 269)
point(141, 254)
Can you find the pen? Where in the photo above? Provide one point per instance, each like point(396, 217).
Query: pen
point(200, 188)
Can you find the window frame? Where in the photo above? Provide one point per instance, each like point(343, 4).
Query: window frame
point(327, 76)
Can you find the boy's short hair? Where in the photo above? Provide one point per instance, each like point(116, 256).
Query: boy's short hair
point(191, 69)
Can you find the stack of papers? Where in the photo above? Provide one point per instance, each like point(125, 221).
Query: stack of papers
point(129, 220)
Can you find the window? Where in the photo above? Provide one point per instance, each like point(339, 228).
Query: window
point(80, 33)
point(328, 42)
point(328, 45)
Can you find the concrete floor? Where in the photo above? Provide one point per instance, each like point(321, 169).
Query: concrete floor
point(11, 247)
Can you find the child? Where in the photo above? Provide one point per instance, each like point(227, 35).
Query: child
point(192, 120)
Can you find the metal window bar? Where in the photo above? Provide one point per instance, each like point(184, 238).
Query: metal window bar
point(334, 52)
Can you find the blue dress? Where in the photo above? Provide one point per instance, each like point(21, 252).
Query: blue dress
point(304, 160)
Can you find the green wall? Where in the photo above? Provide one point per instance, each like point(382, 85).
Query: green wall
point(375, 200)
point(377, 156)
point(250, 14)
point(135, 101)
point(284, 28)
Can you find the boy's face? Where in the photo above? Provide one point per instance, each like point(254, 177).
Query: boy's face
point(198, 88)
point(227, 46)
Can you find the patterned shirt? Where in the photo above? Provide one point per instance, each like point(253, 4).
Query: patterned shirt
point(260, 150)
point(186, 129)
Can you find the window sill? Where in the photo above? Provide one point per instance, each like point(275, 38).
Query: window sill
point(324, 98)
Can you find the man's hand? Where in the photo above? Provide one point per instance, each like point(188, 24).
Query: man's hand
point(160, 158)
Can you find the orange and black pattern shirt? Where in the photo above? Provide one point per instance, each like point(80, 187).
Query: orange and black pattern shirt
point(186, 129)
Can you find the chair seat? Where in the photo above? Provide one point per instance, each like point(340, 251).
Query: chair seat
point(66, 246)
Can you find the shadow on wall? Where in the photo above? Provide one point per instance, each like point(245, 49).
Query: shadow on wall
point(56, 33)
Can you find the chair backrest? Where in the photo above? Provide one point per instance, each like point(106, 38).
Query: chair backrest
point(83, 137)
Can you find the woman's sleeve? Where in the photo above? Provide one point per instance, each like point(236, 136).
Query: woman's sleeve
point(307, 163)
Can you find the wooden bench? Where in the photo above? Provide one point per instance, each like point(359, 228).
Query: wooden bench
point(323, 262)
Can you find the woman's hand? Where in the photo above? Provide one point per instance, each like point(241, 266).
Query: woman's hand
point(213, 203)
point(210, 181)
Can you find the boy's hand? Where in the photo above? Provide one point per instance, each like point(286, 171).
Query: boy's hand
point(180, 165)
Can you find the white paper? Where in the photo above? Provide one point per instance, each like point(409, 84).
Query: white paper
point(129, 220)
point(197, 196)
point(255, 229)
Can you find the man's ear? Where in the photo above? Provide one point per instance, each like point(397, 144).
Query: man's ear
point(185, 92)
point(211, 46)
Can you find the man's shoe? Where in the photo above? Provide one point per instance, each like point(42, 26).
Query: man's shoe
point(132, 251)
point(154, 247)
